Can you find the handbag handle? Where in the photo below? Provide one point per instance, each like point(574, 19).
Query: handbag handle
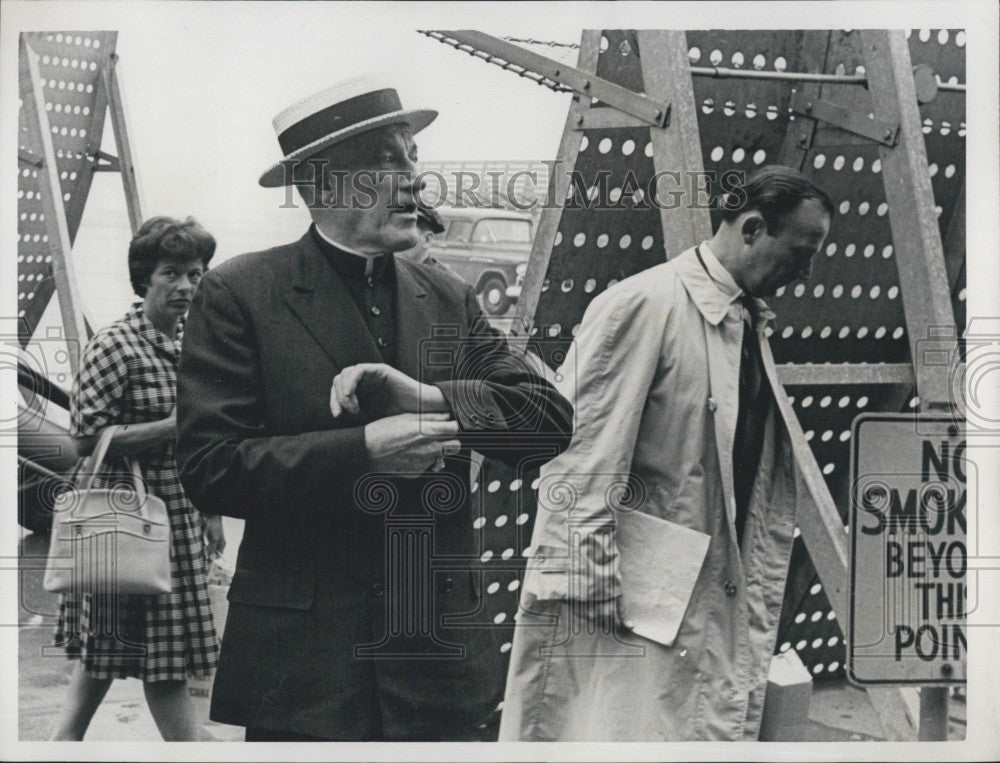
point(138, 483)
point(93, 463)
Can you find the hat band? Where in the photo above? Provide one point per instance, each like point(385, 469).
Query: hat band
point(338, 117)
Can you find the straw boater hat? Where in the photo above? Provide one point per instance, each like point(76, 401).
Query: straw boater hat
point(335, 114)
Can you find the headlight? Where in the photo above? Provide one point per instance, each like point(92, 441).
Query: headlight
point(521, 269)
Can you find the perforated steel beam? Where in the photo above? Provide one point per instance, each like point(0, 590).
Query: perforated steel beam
point(92, 147)
point(916, 236)
point(677, 148)
point(559, 180)
point(50, 191)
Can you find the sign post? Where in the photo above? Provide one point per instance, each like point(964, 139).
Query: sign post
point(908, 594)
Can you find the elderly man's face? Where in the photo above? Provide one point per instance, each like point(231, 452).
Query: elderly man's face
point(370, 196)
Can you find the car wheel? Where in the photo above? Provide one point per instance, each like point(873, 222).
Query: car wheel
point(494, 296)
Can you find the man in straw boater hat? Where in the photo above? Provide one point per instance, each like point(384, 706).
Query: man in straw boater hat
point(329, 396)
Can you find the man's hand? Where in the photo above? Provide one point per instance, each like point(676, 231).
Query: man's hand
point(382, 391)
point(215, 538)
point(408, 443)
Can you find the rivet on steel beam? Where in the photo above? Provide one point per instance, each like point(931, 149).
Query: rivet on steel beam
point(579, 119)
point(586, 84)
point(557, 72)
point(946, 669)
point(888, 134)
point(953, 430)
point(657, 114)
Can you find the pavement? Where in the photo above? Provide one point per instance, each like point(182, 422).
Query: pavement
point(838, 711)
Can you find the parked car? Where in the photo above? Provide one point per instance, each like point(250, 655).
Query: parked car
point(484, 247)
point(46, 453)
point(514, 292)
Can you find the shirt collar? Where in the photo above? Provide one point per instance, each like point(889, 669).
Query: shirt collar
point(710, 296)
point(350, 263)
point(136, 318)
point(719, 275)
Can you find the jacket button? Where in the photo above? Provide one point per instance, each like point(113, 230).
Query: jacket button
point(377, 589)
point(712, 405)
point(491, 416)
point(730, 588)
point(475, 419)
point(449, 585)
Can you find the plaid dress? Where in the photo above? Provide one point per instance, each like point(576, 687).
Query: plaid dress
point(128, 375)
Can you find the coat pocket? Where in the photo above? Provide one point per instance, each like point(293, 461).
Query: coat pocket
point(289, 590)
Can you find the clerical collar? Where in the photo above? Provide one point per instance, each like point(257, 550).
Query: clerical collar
point(351, 263)
point(722, 278)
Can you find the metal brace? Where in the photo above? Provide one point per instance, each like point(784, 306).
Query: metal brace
point(514, 57)
point(843, 118)
point(105, 162)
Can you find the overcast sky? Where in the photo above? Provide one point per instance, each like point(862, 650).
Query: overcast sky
point(202, 82)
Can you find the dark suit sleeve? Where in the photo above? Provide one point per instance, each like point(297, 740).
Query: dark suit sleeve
point(504, 408)
point(227, 461)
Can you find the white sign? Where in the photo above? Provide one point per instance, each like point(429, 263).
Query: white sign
point(908, 597)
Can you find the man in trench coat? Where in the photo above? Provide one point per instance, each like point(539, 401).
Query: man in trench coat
point(679, 416)
point(329, 395)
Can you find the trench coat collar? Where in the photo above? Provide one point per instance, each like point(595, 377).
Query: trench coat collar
point(712, 300)
point(321, 302)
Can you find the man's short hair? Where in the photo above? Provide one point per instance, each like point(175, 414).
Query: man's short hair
point(774, 191)
point(164, 238)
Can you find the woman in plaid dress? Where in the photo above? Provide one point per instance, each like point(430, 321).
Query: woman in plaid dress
point(128, 377)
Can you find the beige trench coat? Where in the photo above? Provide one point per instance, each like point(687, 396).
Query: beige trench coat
point(654, 380)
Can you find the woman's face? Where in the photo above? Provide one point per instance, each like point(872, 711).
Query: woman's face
point(171, 287)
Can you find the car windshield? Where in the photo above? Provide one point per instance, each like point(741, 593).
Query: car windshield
point(502, 231)
point(459, 230)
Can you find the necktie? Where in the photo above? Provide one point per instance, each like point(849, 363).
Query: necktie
point(749, 419)
point(750, 352)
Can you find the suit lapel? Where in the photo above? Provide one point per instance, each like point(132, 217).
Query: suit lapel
point(321, 302)
point(415, 315)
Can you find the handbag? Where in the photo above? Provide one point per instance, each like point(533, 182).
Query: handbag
point(108, 540)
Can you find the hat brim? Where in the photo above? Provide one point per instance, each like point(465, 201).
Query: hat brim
point(277, 175)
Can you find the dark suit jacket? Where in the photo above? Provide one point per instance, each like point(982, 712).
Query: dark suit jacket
point(265, 336)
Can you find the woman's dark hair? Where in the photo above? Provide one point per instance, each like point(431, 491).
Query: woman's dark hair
point(164, 238)
point(774, 191)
